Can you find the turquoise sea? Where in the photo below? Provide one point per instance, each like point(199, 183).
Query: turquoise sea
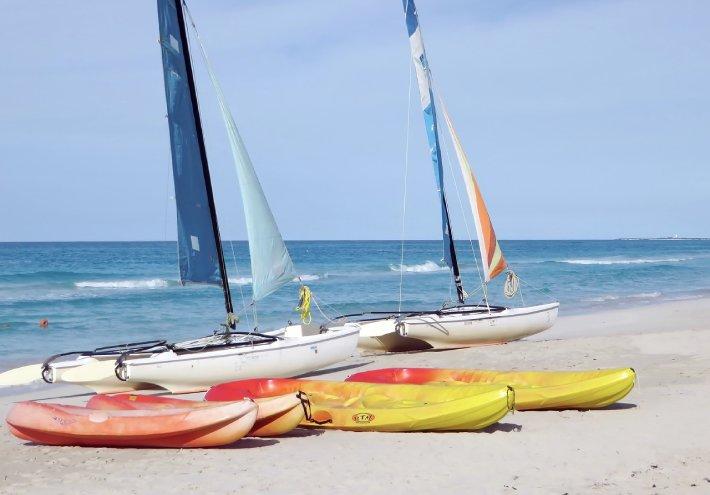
point(102, 293)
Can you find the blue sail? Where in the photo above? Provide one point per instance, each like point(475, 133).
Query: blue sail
point(198, 251)
point(421, 66)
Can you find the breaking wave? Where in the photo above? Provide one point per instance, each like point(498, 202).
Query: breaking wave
point(645, 295)
point(426, 267)
point(154, 283)
point(592, 261)
point(306, 277)
point(612, 297)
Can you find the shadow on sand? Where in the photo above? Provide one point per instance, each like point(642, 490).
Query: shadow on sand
point(302, 433)
point(619, 406)
point(506, 427)
point(250, 443)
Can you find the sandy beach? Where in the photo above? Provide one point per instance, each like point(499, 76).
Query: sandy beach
point(655, 441)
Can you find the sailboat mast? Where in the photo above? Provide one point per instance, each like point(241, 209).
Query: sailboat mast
point(203, 154)
point(431, 125)
point(460, 294)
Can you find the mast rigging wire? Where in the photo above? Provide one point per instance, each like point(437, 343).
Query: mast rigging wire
point(404, 195)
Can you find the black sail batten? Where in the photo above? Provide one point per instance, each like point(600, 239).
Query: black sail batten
point(200, 253)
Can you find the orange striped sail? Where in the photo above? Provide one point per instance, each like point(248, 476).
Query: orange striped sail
point(491, 255)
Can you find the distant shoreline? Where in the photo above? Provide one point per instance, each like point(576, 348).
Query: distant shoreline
point(369, 240)
point(662, 239)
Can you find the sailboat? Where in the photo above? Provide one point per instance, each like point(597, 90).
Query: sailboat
point(228, 354)
point(462, 324)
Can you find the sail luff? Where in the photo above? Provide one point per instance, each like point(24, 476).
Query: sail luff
point(426, 95)
point(200, 253)
point(492, 257)
point(271, 263)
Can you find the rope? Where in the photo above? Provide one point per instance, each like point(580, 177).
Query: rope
point(404, 197)
point(167, 203)
point(241, 291)
point(315, 301)
point(512, 284)
point(304, 304)
point(544, 292)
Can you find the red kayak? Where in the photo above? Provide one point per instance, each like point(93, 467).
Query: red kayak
point(256, 388)
point(275, 416)
point(57, 424)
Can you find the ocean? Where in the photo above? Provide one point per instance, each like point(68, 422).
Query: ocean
point(101, 293)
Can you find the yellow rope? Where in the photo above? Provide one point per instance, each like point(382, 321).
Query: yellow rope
point(304, 304)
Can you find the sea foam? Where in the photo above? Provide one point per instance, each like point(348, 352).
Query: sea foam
point(426, 267)
point(154, 283)
point(306, 277)
point(637, 261)
point(612, 297)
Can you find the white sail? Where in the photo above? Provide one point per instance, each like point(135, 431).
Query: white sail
point(271, 265)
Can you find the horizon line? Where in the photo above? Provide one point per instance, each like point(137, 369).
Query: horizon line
point(363, 240)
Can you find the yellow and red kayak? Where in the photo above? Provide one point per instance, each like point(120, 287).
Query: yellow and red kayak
point(275, 416)
point(533, 389)
point(57, 424)
point(375, 407)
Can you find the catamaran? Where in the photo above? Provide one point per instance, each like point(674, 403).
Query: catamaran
point(461, 324)
point(228, 354)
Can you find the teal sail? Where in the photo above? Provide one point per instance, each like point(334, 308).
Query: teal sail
point(426, 94)
point(199, 248)
point(271, 265)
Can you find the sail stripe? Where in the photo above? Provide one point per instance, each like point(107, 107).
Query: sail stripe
point(492, 257)
point(198, 253)
point(421, 67)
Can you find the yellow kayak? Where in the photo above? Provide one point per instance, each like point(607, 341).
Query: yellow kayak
point(377, 407)
point(533, 389)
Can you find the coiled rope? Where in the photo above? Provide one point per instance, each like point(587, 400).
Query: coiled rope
point(304, 304)
point(512, 285)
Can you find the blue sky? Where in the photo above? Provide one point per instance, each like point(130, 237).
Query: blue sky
point(582, 119)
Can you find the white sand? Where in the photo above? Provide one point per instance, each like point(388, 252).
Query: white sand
point(656, 441)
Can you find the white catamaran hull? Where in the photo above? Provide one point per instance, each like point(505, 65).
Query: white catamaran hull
point(283, 358)
point(195, 371)
point(452, 328)
point(112, 385)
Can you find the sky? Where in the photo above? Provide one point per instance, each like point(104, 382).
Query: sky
point(581, 119)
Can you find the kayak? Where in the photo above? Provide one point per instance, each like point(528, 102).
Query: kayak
point(275, 416)
point(533, 389)
point(375, 407)
point(58, 424)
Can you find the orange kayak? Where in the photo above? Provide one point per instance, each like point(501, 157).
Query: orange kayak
point(57, 424)
point(534, 390)
point(275, 416)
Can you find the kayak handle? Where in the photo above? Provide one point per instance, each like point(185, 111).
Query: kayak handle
point(306, 404)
